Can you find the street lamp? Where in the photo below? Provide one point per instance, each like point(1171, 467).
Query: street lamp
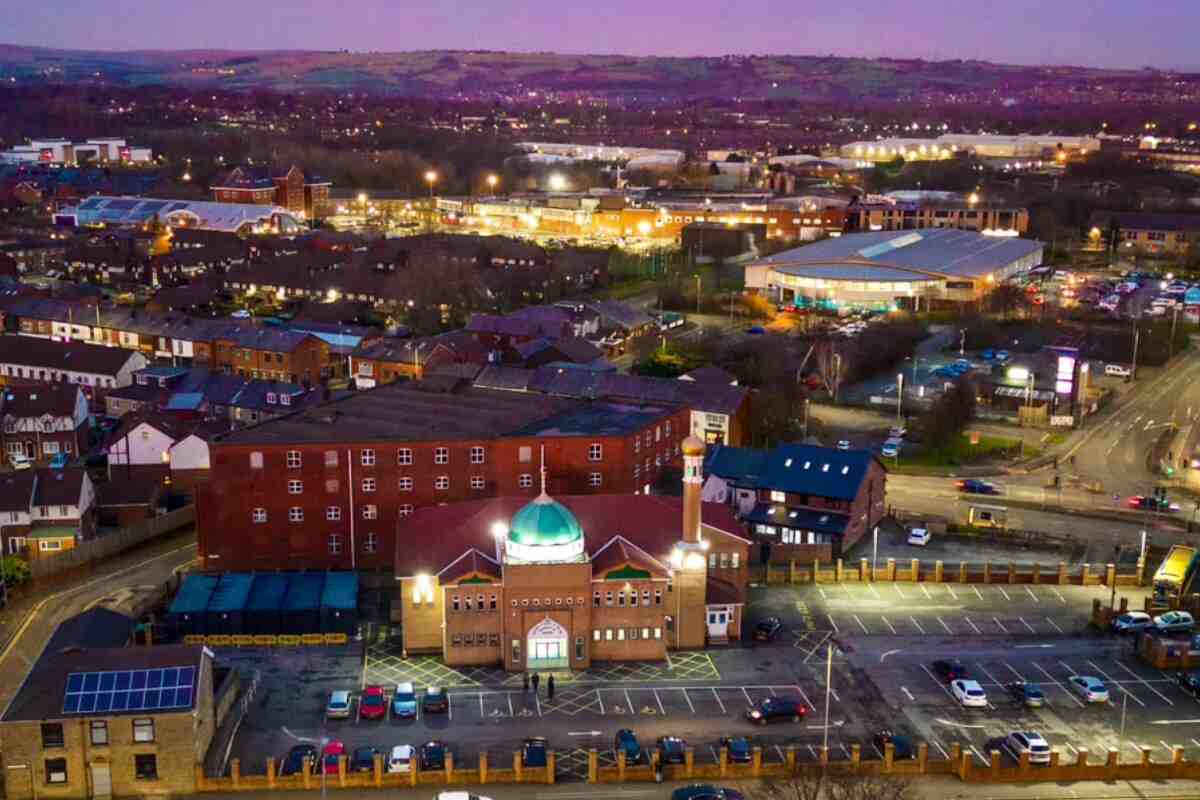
point(492, 180)
point(697, 277)
point(962, 341)
point(899, 395)
point(557, 182)
point(431, 178)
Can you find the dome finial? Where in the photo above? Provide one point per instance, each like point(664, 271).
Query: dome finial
point(543, 452)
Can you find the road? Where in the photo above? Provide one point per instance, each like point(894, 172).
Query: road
point(148, 567)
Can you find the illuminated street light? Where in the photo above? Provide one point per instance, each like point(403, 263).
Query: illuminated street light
point(557, 182)
point(431, 178)
point(492, 180)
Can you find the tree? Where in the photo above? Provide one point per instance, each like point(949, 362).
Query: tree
point(15, 571)
point(1005, 299)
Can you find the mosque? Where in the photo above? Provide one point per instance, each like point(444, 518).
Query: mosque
point(554, 584)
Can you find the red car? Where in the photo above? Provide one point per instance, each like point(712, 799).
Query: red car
point(333, 749)
point(373, 704)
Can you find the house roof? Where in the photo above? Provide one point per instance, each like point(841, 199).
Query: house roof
point(798, 468)
point(96, 627)
point(59, 487)
point(710, 375)
point(16, 490)
point(30, 351)
point(1133, 220)
point(120, 492)
point(42, 695)
point(649, 523)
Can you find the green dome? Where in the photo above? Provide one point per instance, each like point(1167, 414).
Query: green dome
point(544, 522)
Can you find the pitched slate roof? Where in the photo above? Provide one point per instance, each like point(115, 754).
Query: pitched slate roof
point(56, 399)
point(30, 351)
point(59, 487)
point(16, 490)
point(798, 468)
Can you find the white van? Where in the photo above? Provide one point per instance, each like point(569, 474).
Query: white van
point(1117, 370)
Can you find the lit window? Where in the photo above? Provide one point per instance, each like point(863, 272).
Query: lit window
point(594, 480)
point(476, 455)
point(143, 729)
point(370, 512)
point(259, 515)
point(477, 482)
point(293, 458)
point(335, 544)
point(441, 482)
point(525, 481)
point(406, 484)
point(778, 497)
point(608, 634)
point(595, 451)
point(596, 635)
point(256, 460)
point(295, 487)
point(331, 458)
point(406, 509)
point(331, 485)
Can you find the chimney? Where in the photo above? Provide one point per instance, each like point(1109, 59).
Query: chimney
point(693, 482)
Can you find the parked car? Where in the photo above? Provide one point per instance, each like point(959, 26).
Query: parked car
point(459, 795)
point(1089, 688)
point(373, 703)
point(843, 444)
point(897, 432)
point(671, 749)
point(890, 449)
point(975, 486)
point(293, 763)
point(1132, 622)
point(363, 759)
point(704, 791)
point(1189, 682)
point(1174, 622)
point(626, 742)
point(737, 748)
point(919, 537)
point(339, 705)
point(435, 701)
point(949, 669)
point(20, 461)
point(988, 355)
point(60, 461)
point(433, 755)
point(774, 709)
point(333, 750)
point(768, 629)
point(1027, 694)
point(533, 752)
point(404, 701)
point(969, 693)
point(1002, 355)
point(400, 759)
point(902, 746)
point(1148, 503)
point(1030, 742)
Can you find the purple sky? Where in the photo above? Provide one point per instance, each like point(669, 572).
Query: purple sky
point(1126, 33)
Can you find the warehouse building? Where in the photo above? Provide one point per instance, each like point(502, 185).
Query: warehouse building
point(888, 270)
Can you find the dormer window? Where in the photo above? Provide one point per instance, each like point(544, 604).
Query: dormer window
point(825, 468)
point(270, 398)
point(807, 464)
point(285, 399)
point(143, 380)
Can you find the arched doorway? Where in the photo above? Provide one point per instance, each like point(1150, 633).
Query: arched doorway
point(547, 644)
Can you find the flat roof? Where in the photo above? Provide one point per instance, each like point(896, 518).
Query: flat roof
point(918, 255)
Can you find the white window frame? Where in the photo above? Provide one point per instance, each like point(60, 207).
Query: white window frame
point(367, 457)
point(333, 513)
point(404, 456)
point(477, 455)
point(294, 459)
point(441, 455)
point(296, 514)
point(368, 485)
point(405, 484)
point(258, 516)
point(442, 483)
point(295, 486)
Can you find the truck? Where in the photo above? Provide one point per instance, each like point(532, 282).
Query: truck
point(1174, 575)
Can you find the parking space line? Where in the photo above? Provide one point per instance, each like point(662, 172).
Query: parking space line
point(936, 744)
point(989, 675)
point(1027, 625)
point(1146, 683)
point(846, 587)
point(999, 624)
point(896, 586)
point(628, 701)
point(1054, 624)
point(977, 594)
point(1032, 594)
point(779, 750)
point(1052, 679)
point(689, 700)
point(661, 710)
point(749, 702)
point(1168, 747)
point(845, 752)
point(1071, 747)
point(944, 625)
point(918, 625)
point(804, 697)
point(926, 591)
point(600, 700)
point(538, 702)
point(1058, 594)
point(934, 678)
point(891, 627)
point(834, 624)
point(510, 708)
point(449, 706)
point(876, 749)
point(874, 591)
point(950, 589)
point(823, 595)
point(481, 714)
point(978, 754)
point(1006, 597)
point(860, 623)
point(1196, 743)
point(973, 625)
point(812, 752)
point(718, 699)
point(1115, 682)
point(1013, 670)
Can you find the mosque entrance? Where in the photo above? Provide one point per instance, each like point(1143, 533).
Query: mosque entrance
point(548, 646)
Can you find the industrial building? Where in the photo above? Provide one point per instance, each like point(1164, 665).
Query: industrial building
point(240, 218)
point(887, 270)
point(66, 152)
point(981, 145)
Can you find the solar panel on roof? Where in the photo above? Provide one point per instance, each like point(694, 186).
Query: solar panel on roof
point(156, 689)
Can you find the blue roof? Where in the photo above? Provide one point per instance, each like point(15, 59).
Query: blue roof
point(304, 591)
point(193, 596)
point(185, 401)
point(798, 468)
point(232, 592)
point(341, 590)
point(267, 592)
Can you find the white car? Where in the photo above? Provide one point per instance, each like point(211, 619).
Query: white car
point(400, 759)
point(1089, 688)
point(20, 461)
point(1132, 622)
point(969, 693)
point(897, 432)
point(459, 795)
point(843, 444)
point(1174, 622)
point(919, 537)
point(1030, 742)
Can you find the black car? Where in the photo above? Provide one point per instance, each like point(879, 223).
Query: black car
point(902, 746)
point(737, 748)
point(533, 752)
point(1027, 694)
point(435, 701)
point(949, 669)
point(1189, 682)
point(768, 629)
point(699, 791)
point(975, 486)
point(671, 749)
point(363, 759)
point(776, 709)
point(293, 762)
point(433, 755)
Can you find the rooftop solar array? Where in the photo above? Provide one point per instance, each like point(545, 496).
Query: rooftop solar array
point(156, 689)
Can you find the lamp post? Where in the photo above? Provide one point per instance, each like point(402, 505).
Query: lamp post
point(875, 554)
point(962, 341)
point(492, 180)
point(899, 396)
point(431, 178)
point(697, 277)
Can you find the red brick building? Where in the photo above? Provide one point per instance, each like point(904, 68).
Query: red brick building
point(41, 422)
point(324, 488)
point(291, 187)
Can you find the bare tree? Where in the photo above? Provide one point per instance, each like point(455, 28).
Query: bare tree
point(867, 787)
point(807, 785)
point(833, 366)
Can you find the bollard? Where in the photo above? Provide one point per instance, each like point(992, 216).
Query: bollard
point(1123, 606)
point(723, 761)
point(756, 760)
point(449, 766)
point(1023, 761)
point(550, 766)
point(816, 570)
point(483, 766)
point(414, 769)
point(938, 569)
point(518, 765)
point(789, 757)
point(689, 761)
point(891, 569)
point(955, 752)
point(342, 764)
point(1037, 574)
point(889, 756)
point(923, 757)
point(864, 571)
point(791, 571)
point(838, 571)
point(1062, 572)
point(235, 772)
point(994, 760)
point(1012, 572)
point(987, 572)
point(824, 755)
point(915, 567)
point(306, 773)
point(593, 766)
point(962, 572)
point(271, 772)
point(855, 755)
point(200, 779)
point(377, 769)
point(1085, 572)
point(1145, 755)
point(1081, 757)
point(621, 765)
point(1053, 758)
point(1110, 575)
point(1114, 757)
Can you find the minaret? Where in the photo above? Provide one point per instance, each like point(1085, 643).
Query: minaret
point(690, 559)
point(693, 483)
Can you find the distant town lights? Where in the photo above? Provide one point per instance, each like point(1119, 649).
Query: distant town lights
point(558, 183)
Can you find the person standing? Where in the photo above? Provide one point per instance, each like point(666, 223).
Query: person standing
point(536, 681)
point(525, 682)
point(550, 688)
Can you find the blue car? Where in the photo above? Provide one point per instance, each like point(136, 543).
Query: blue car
point(1002, 355)
point(757, 330)
point(627, 743)
point(404, 701)
point(988, 355)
